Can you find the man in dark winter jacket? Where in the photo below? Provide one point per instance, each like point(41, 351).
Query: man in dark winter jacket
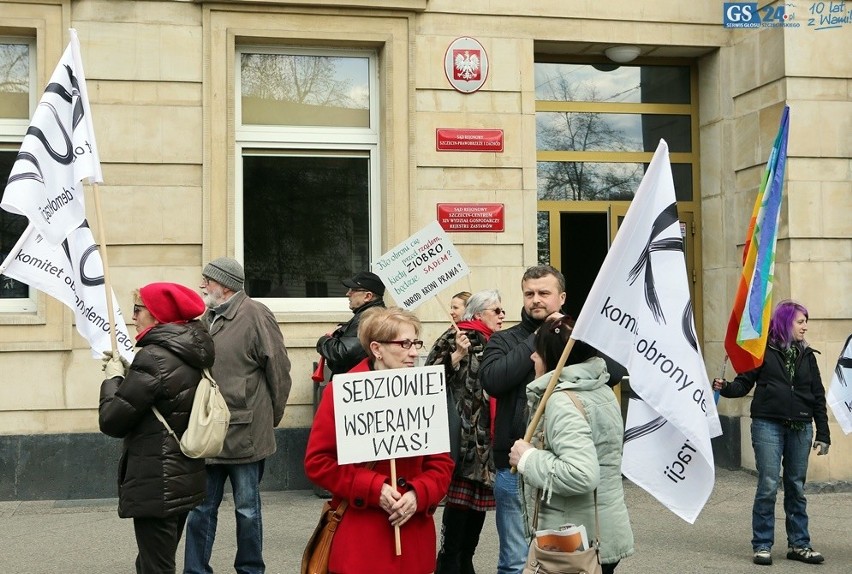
point(505, 370)
point(341, 348)
point(253, 372)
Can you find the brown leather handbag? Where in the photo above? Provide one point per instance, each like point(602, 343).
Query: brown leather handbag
point(318, 549)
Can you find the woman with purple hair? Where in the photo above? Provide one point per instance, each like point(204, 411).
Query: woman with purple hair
point(788, 400)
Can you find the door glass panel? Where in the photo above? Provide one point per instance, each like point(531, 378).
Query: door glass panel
point(543, 238)
point(586, 131)
point(584, 243)
point(598, 181)
point(301, 90)
point(306, 224)
point(612, 83)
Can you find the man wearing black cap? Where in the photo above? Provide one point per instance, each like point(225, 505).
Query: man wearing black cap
point(341, 349)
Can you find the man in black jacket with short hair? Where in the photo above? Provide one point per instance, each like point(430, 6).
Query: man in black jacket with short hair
point(505, 370)
point(341, 348)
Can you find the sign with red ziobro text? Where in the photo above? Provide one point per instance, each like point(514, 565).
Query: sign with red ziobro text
point(457, 217)
point(481, 140)
point(418, 268)
point(390, 413)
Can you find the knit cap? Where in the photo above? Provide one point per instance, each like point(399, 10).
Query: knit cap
point(171, 303)
point(227, 272)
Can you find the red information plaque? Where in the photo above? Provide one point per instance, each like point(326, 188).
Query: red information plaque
point(450, 139)
point(471, 216)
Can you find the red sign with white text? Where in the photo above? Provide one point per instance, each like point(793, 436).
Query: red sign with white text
point(471, 216)
point(449, 139)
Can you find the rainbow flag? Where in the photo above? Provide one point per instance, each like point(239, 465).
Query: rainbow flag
point(748, 327)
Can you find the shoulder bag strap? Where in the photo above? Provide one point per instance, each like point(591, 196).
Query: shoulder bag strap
point(163, 420)
point(159, 415)
point(579, 404)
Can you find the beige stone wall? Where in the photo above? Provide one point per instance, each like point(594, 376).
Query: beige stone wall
point(160, 77)
point(758, 73)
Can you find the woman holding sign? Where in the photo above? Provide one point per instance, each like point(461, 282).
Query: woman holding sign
point(365, 540)
point(471, 491)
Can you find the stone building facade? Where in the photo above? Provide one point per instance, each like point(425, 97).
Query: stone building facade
point(300, 137)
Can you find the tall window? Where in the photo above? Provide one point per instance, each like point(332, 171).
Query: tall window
point(307, 198)
point(597, 127)
point(597, 124)
point(17, 98)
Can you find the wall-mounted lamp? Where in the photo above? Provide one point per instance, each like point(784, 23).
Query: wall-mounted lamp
point(622, 54)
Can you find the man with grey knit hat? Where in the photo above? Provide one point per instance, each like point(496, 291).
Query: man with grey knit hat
point(341, 348)
point(253, 372)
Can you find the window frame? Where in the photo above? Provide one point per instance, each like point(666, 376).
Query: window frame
point(12, 132)
point(316, 141)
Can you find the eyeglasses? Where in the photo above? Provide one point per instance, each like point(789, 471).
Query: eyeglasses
point(498, 310)
point(405, 344)
point(138, 308)
point(357, 290)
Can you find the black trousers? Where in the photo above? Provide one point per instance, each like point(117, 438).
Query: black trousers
point(157, 540)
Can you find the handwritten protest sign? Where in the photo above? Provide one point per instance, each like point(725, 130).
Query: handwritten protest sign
point(418, 268)
point(394, 413)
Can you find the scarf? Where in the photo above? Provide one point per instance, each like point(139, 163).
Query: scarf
point(476, 325)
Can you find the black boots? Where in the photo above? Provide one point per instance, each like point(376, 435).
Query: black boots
point(460, 530)
point(470, 538)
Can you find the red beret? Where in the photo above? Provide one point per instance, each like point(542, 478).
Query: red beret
point(171, 303)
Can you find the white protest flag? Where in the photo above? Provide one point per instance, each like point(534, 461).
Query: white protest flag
point(840, 390)
point(639, 313)
point(418, 268)
point(57, 152)
point(72, 273)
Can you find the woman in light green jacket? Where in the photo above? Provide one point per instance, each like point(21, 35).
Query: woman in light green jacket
point(578, 455)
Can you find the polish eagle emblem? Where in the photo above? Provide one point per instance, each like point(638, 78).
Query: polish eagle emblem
point(467, 65)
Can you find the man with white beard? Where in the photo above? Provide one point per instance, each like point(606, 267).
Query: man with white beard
point(252, 370)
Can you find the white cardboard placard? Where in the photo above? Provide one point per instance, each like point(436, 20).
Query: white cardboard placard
point(418, 268)
point(391, 413)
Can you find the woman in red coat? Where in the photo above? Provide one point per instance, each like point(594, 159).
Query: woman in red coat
point(364, 543)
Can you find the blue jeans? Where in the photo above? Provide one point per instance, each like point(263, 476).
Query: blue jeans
point(511, 529)
point(201, 524)
point(779, 450)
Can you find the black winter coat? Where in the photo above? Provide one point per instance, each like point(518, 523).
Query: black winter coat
point(504, 372)
point(155, 479)
point(778, 398)
point(342, 349)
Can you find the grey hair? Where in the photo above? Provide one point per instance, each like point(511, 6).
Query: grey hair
point(479, 302)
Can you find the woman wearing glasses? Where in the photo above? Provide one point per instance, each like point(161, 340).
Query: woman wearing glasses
point(471, 491)
point(364, 542)
point(157, 484)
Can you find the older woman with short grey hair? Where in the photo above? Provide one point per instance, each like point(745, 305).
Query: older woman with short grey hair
point(471, 491)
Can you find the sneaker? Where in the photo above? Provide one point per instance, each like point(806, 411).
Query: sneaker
point(762, 556)
point(805, 554)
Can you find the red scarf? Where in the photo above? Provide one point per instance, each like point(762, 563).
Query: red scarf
point(476, 325)
point(480, 327)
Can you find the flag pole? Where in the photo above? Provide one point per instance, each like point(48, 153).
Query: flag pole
point(107, 283)
point(551, 385)
point(17, 247)
point(716, 394)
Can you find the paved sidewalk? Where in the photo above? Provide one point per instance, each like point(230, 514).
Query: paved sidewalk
point(87, 537)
